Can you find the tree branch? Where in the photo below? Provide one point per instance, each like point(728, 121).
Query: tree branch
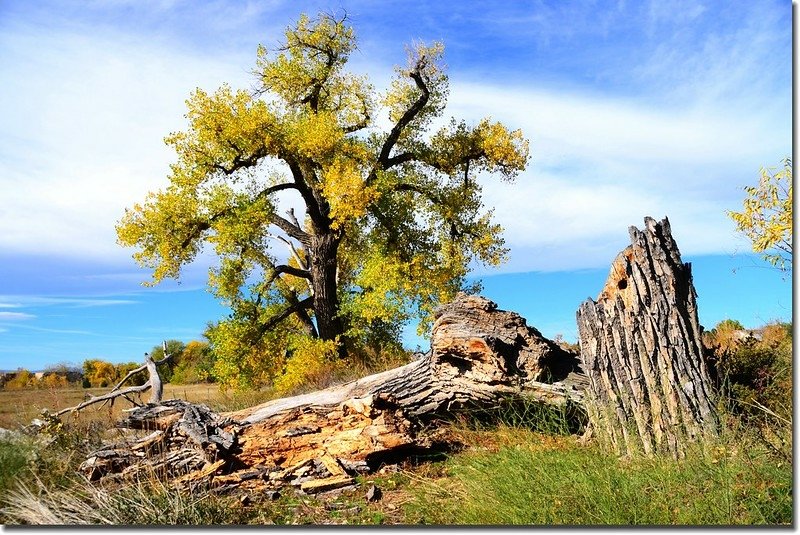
point(409, 115)
point(289, 270)
point(104, 397)
point(293, 308)
point(313, 207)
point(290, 228)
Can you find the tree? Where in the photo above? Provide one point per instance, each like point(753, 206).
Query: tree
point(767, 216)
point(99, 373)
point(22, 379)
point(194, 365)
point(393, 219)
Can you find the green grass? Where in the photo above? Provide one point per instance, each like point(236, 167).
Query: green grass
point(528, 470)
point(15, 456)
point(521, 482)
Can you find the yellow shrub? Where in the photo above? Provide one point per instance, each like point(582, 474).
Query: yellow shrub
point(313, 363)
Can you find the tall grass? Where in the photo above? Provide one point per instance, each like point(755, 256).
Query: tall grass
point(145, 502)
point(527, 479)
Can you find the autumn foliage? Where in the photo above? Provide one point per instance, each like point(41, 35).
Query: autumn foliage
point(393, 217)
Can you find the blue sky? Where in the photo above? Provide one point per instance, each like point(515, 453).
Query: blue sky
point(632, 109)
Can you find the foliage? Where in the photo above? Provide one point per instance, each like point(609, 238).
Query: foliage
point(15, 456)
point(724, 336)
point(756, 374)
point(393, 219)
point(54, 380)
point(195, 364)
point(311, 363)
point(766, 218)
point(99, 373)
point(22, 379)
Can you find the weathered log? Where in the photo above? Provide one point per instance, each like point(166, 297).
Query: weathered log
point(480, 356)
point(641, 348)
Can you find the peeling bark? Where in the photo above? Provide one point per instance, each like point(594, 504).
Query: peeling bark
point(480, 356)
point(641, 348)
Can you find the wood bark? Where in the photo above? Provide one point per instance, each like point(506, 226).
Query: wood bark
point(323, 254)
point(642, 351)
point(479, 357)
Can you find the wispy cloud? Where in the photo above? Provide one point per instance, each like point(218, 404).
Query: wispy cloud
point(75, 302)
point(15, 316)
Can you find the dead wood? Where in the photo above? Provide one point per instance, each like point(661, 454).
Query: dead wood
point(154, 384)
point(641, 348)
point(479, 357)
point(647, 388)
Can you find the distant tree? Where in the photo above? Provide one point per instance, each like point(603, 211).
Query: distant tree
point(68, 370)
point(99, 373)
point(54, 380)
point(725, 336)
point(393, 219)
point(22, 379)
point(767, 216)
point(195, 364)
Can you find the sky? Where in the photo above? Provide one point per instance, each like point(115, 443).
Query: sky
point(632, 109)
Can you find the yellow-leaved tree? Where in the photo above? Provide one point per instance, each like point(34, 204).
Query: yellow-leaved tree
point(393, 218)
point(766, 217)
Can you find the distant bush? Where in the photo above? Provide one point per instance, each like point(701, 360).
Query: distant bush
point(22, 379)
point(754, 368)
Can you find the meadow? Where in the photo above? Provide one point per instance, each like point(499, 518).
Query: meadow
point(524, 469)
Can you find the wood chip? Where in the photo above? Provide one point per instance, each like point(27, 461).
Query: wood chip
point(332, 465)
point(328, 483)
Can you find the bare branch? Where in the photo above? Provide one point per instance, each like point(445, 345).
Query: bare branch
point(104, 397)
point(130, 374)
point(292, 309)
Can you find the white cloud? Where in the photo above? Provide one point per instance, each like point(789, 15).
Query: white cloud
point(84, 119)
point(85, 114)
point(600, 165)
point(15, 316)
point(76, 302)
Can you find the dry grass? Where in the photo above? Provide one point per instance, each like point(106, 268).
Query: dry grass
point(19, 407)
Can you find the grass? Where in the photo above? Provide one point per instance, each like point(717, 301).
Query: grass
point(19, 407)
point(524, 477)
point(528, 470)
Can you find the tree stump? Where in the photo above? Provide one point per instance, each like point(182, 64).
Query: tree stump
point(642, 351)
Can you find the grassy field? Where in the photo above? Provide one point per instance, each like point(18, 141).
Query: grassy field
point(19, 407)
point(514, 473)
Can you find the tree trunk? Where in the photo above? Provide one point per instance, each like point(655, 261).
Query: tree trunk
point(323, 252)
point(641, 348)
point(479, 357)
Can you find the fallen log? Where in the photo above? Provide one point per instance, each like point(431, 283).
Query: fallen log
point(641, 348)
point(480, 356)
point(645, 387)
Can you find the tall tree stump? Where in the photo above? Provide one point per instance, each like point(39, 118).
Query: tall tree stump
point(641, 349)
